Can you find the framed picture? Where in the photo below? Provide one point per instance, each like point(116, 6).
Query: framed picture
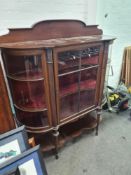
point(28, 163)
point(14, 171)
point(13, 143)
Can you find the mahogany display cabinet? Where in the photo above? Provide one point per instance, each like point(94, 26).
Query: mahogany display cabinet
point(55, 72)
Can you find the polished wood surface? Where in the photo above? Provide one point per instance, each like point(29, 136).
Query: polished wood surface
point(50, 29)
point(6, 117)
point(55, 42)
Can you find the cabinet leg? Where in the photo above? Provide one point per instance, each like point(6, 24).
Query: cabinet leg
point(98, 120)
point(56, 142)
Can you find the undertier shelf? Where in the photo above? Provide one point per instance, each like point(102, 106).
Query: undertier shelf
point(67, 133)
point(74, 130)
point(45, 141)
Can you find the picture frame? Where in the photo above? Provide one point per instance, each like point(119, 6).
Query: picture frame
point(13, 143)
point(14, 171)
point(29, 162)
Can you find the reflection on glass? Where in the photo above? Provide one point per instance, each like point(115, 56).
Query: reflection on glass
point(33, 119)
point(77, 59)
point(69, 105)
point(25, 67)
point(87, 98)
point(68, 61)
point(68, 88)
point(87, 88)
point(68, 84)
point(26, 82)
point(29, 95)
point(77, 89)
point(90, 57)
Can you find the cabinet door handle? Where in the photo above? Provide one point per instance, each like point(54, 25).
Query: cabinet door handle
point(74, 57)
point(89, 55)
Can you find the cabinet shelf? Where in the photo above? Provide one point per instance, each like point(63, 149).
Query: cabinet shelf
point(70, 71)
point(71, 64)
point(24, 76)
point(73, 88)
point(27, 109)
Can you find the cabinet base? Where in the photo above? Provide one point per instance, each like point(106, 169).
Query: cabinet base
point(67, 133)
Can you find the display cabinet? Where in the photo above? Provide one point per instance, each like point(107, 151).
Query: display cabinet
point(55, 72)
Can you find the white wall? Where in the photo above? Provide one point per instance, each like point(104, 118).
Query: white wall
point(114, 17)
point(24, 13)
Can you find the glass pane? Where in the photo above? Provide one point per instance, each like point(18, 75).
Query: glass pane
point(28, 94)
point(68, 84)
point(69, 105)
point(32, 119)
point(68, 61)
point(25, 67)
point(89, 57)
point(68, 88)
point(87, 88)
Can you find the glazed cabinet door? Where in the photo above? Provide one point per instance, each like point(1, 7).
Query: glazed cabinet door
point(77, 71)
point(27, 75)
